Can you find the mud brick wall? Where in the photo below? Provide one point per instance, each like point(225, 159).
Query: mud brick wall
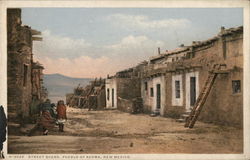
point(124, 105)
point(170, 110)
point(19, 65)
point(222, 106)
point(127, 90)
point(101, 99)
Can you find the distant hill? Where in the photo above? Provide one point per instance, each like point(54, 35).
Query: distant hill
point(58, 85)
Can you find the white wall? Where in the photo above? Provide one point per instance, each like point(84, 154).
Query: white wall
point(147, 99)
point(146, 96)
point(111, 84)
point(177, 101)
point(159, 80)
point(188, 75)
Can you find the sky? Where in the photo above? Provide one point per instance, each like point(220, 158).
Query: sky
point(94, 42)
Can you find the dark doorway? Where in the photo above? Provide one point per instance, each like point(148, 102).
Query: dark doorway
point(158, 96)
point(25, 74)
point(192, 90)
point(113, 97)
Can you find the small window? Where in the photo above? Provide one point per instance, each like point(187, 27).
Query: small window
point(25, 74)
point(151, 92)
point(177, 89)
point(108, 94)
point(236, 86)
point(146, 86)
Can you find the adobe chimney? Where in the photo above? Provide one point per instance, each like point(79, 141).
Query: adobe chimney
point(222, 29)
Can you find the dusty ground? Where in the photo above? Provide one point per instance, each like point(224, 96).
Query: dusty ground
point(112, 131)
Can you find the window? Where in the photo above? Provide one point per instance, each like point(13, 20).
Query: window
point(236, 86)
point(108, 94)
point(146, 86)
point(151, 92)
point(25, 74)
point(177, 89)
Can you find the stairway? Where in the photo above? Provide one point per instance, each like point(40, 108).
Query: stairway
point(155, 113)
point(13, 120)
point(183, 117)
point(191, 119)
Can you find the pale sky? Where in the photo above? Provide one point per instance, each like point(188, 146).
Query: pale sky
point(94, 42)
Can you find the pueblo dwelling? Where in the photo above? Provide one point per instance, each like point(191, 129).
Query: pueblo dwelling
point(24, 75)
point(171, 84)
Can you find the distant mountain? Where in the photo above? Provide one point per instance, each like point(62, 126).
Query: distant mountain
point(59, 85)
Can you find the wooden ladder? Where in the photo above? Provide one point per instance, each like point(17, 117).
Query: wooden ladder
point(190, 121)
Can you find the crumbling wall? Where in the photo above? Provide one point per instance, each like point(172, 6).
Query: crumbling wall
point(130, 105)
point(124, 105)
point(145, 94)
point(101, 99)
point(19, 64)
point(128, 89)
point(23, 86)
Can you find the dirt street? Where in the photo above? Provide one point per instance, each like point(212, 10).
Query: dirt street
point(112, 131)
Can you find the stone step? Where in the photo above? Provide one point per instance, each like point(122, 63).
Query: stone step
point(180, 120)
point(13, 128)
point(184, 116)
point(12, 117)
point(28, 129)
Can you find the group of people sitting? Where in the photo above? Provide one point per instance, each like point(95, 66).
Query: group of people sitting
point(51, 114)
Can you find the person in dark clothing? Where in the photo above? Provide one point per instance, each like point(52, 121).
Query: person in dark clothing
point(3, 124)
point(46, 106)
point(53, 110)
point(46, 119)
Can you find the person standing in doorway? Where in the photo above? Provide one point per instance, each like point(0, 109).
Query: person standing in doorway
point(3, 124)
point(61, 114)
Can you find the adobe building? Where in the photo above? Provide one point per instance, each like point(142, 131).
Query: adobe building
point(92, 96)
point(23, 75)
point(37, 81)
point(111, 95)
point(173, 81)
point(123, 91)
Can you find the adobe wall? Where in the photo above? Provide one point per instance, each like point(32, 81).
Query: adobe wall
point(145, 94)
point(111, 84)
point(174, 111)
point(101, 99)
point(222, 106)
point(127, 90)
point(125, 105)
point(19, 54)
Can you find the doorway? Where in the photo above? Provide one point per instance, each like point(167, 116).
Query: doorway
point(158, 96)
point(113, 97)
point(192, 90)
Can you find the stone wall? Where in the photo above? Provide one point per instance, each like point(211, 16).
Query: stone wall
point(24, 82)
point(128, 90)
point(19, 64)
point(101, 99)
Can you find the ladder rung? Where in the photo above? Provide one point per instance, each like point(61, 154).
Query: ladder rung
point(200, 100)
